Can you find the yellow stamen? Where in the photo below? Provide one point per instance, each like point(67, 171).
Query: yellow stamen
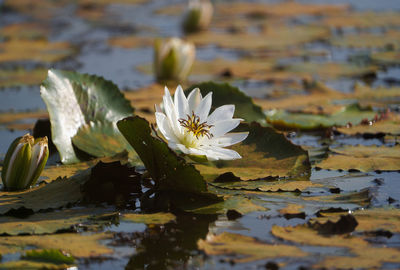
point(192, 124)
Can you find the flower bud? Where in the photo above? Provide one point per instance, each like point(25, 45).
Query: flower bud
point(173, 59)
point(24, 162)
point(198, 16)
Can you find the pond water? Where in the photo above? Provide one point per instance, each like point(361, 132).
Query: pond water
point(174, 245)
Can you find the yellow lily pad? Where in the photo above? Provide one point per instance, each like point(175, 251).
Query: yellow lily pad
point(78, 245)
point(363, 158)
point(390, 39)
point(41, 9)
point(269, 186)
point(363, 19)
point(156, 218)
point(129, 42)
point(34, 50)
point(389, 125)
point(386, 58)
point(364, 254)
point(20, 77)
point(20, 31)
point(25, 264)
point(245, 248)
point(48, 223)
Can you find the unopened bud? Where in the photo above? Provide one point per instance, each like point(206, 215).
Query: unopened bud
point(24, 162)
point(198, 16)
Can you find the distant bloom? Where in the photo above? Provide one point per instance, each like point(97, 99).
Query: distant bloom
point(188, 127)
point(24, 162)
point(198, 16)
point(173, 59)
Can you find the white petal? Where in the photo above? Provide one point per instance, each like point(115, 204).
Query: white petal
point(170, 112)
point(194, 99)
point(164, 127)
point(158, 108)
point(222, 127)
point(204, 107)
point(183, 148)
point(216, 153)
point(224, 112)
point(181, 103)
point(228, 139)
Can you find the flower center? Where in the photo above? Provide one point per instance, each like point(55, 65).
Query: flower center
point(192, 124)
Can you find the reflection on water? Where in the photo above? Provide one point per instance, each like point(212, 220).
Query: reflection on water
point(171, 246)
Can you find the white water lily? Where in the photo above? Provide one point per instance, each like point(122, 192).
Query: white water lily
point(188, 127)
point(173, 59)
point(198, 15)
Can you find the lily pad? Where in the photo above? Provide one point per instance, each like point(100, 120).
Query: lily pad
point(73, 101)
point(245, 248)
point(238, 203)
point(169, 171)
point(35, 51)
point(351, 114)
point(363, 19)
point(366, 255)
point(48, 255)
point(363, 158)
point(386, 58)
point(20, 77)
point(156, 218)
point(19, 31)
point(129, 42)
point(25, 264)
point(390, 39)
point(52, 222)
point(269, 186)
point(100, 139)
point(79, 246)
point(265, 153)
point(57, 194)
point(389, 125)
point(224, 92)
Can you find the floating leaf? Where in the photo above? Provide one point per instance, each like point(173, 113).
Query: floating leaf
point(386, 58)
point(223, 92)
point(246, 249)
point(363, 19)
point(34, 50)
point(265, 153)
point(52, 222)
point(129, 42)
point(389, 39)
point(366, 255)
point(156, 218)
point(74, 100)
point(57, 194)
point(293, 211)
point(20, 31)
point(350, 114)
point(274, 38)
point(389, 125)
point(100, 139)
point(363, 158)
point(25, 264)
point(238, 203)
point(169, 171)
point(48, 255)
point(79, 246)
point(331, 70)
point(269, 186)
point(20, 77)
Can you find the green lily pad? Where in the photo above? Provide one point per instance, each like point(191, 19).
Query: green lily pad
point(48, 223)
point(78, 245)
point(73, 101)
point(48, 255)
point(363, 158)
point(246, 248)
point(265, 153)
point(224, 93)
point(169, 171)
point(156, 218)
point(100, 139)
point(350, 114)
point(58, 193)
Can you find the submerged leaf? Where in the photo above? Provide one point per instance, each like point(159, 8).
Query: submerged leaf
point(73, 101)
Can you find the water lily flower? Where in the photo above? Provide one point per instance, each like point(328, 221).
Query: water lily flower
point(187, 126)
point(198, 16)
point(24, 162)
point(173, 59)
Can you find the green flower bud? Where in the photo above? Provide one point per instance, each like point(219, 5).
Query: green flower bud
point(24, 162)
point(198, 16)
point(173, 59)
